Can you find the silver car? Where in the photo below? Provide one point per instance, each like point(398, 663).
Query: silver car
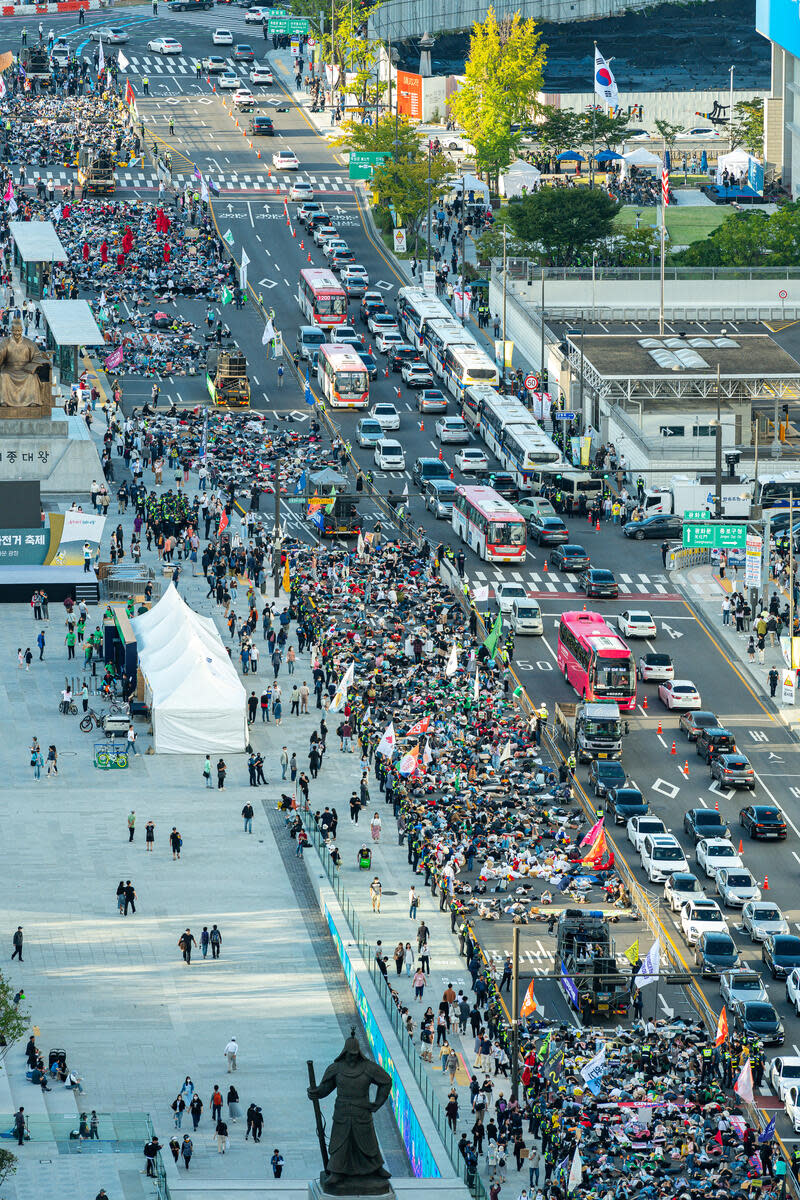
point(736, 886)
point(738, 986)
point(762, 919)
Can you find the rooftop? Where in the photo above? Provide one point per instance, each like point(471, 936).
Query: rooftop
point(688, 352)
point(37, 241)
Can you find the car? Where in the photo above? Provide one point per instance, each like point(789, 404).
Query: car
point(387, 338)
point(244, 99)
point(317, 217)
point(506, 593)
point(793, 989)
point(431, 400)
point(389, 455)
point(599, 582)
point(679, 693)
point(380, 321)
point(417, 375)
point(243, 53)
point(349, 339)
point(503, 482)
point(761, 918)
point(341, 259)
point(604, 774)
point(300, 190)
point(359, 269)
point(471, 458)
point(530, 506)
point(701, 916)
point(333, 245)
point(372, 302)
point(692, 722)
point(322, 233)
point(660, 525)
point(307, 210)
point(187, 5)
point(713, 853)
point(60, 54)
point(758, 1018)
point(110, 37)
point(624, 803)
point(715, 953)
point(229, 81)
point(733, 770)
point(369, 362)
point(636, 623)
point(735, 886)
point(368, 432)
point(661, 854)
point(737, 987)
point(426, 468)
point(763, 821)
point(705, 823)
point(714, 740)
point(222, 37)
point(164, 45)
point(548, 531)
point(784, 1073)
point(452, 429)
point(781, 953)
point(656, 667)
point(214, 65)
point(569, 557)
point(386, 415)
point(256, 16)
point(439, 497)
point(700, 132)
point(402, 355)
point(262, 126)
point(285, 160)
point(353, 284)
point(680, 888)
point(261, 76)
point(638, 828)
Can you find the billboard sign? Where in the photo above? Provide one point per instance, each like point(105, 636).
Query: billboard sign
point(58, 543)
point(409, 95)
point(779, 20)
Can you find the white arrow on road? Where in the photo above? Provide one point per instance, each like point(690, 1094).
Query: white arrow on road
point(673, 633)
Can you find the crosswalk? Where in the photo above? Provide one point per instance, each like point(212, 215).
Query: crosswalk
point(245, 181)
point(181, 64)
point(540, 961)
point(552, 581)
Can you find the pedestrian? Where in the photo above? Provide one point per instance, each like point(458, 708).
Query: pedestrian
point(773, 678)
point(231, 1050)
point(216, 941)
point(19, 1125)
point(40, 642)
point(413, 902)
point(222, 771)
point(17, 944)
point(418, 983)
point(204, 941)
point(186, 941)
point(178, 1107)
point(131, 824)
point(375, 891)
point(247, 813)
point(232, 1100)
point(207, 772)
point(196, 1110)
point(130, 898)
point(149, 836)
point(375, 827)
point(277, 1163)
point(175, 841)
point(187, 1148)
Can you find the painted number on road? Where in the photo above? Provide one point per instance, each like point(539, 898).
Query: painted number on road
point(541, 664)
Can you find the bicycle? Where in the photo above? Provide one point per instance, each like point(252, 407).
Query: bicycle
point(90, 719)
point(68, 707)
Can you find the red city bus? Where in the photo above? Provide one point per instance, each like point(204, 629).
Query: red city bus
point(595, 660)
point(489, 524)
point(321, 297)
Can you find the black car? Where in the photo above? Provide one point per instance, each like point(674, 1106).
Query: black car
point(605, 774)
point(262, 126)
point(400, 355)
point(369, 362)
point(548, 531)
point(318, 218)
point(372, 302)
point(692, 722)
point(713, 741)
point(625, 802)
point(733, 770)
point(715, 953)
point(660, 525)
point(756, 1018)
point(599, 582)
point(781, 953)
point(704, 823)
point(502, 482)
point(569, 557)
point(763, 821)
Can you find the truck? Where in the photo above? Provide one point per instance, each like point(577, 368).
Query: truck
point(586, 956)
point(684, 493)
point(36, 62)
point(340, 519)
point(591, 729)
point(226, 377)
point(96, 171)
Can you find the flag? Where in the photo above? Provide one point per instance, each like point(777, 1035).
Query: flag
point(285, 584)
point(605, 85)
point(494, 637)
point(386, 744)
point(452, 663)
point(269, 332)
point(226, 297)
point(8, 194)
point(593, 1072)
point(529, 1003)
point(114, 359)
point(122, 61)
point(722, 1028)
point(597, 852)
point(101, 59)
point(544, 1049)
point(476, 688)
point(744, 1083)
point(664, 186)
point(575, 1172)
point(55, 215)
point(340, 695)
point(589, 838)
point(480, 595)
point(648, 972)
point(632, 953)
point(243, 269)
point(204, 445)
point(427, 757)
point(420, 727)
point(198, 174)
point(300, 486)
point(408, 762)
point(309, 395)
point(204, 191)
point(228, 237)
point(130, 97)
point(768, 1133)
point(2, 87)
point(223, 523)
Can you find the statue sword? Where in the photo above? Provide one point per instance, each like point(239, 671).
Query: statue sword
point(318, 1115)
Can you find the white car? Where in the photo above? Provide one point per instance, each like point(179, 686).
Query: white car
point(637, 829)
point(379, 322)
point(213, 64)
point(386, 415)
point(661, 855)
point(222, 37)
point(357, 269)
point(389, 455)
point(793, 989)
point(165, 46)
point(60, 53)
point(784, 1072)
point(471, 458)
point(323, 233)
point(636, 623)
point(736, 886)
point(740, 985)
point(300, 190)
point(337, 332)
point(680, 888)
point(256, 16)
point(701, 132)
point(762, 919)
point(333, 245)
point(388, 338)
point(110, 37)
point(286, 160)
point(506, 593)
point(452, 429)
point(713, 854)
point(416, 374)
point(679, 693)
point(261, 75)
point(230, 81)
point(701, 916)
point(243, 98)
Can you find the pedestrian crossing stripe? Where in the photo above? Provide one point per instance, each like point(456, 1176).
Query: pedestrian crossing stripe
point(179, 64)
point(244, 181)
point(551, 581)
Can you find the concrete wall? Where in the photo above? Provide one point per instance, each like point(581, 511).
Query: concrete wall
point(398, 19)
point(58, 452)
point(680, 108)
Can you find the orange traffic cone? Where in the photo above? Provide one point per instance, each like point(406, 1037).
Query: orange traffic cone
point(741, 847)
point(386, 373)
point(451, 473)
point(766, 883)
point(659, 727)
point(440, 448)
point(686, 768)
point(288, 222)
point(644, 704)
point(673, 750)
point(294, 232)
point(545, 565)
point(259, 154)
point(309, 256)
point(597, 527)
point(302, 247)
point(369, 348)
point(584, 608)
point(716, 806)
point(422, 426)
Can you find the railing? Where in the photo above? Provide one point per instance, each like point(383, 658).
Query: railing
point(530, 272)
point(680, 559)
point(162, 1187)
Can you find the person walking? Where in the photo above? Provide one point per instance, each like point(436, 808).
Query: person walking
point(187, 1149)
point(149, 836)
point(196, 1110)
point(375, 892)
point(276, 1163)
point(232, 1100)
point(222, 771)
point(186, 941)
point(130, 898)
point(216, 941)
point(40, 643)
point(413, 902)
point(17, 944)
point(19, 1125)
point(131, 824)
point(247, 814)
point(207, 772)
point(175, 841)
point(231, 1050)
point(204, 941)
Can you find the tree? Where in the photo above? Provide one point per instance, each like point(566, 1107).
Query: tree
point(636, 247)
point(8, 1165)
point(489, 244)
point(381, 136)
point(405, 186)
point(503, 76)
point(13, 1019)
point(564, 222)
point(741, 240)
point(748, 125)
point(608, 131)
point(560, 129)
point(668, 130)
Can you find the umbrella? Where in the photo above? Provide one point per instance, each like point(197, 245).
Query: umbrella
point(606, 156)
point(570, 156)
point(667, 160)
point(704, 162)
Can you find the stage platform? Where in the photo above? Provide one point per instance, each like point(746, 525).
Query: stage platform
point(19, 583)
point(718, 194)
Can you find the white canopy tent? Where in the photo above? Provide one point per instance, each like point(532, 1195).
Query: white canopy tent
point(518, 176)
point(737, 162)
point(471, 183)
point(639, 158)
point(198, 702)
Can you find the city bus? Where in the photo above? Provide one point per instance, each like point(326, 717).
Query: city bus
point(437, 337)
point(595, 660)
point(497, 415)
point(465, 365)
point(415, 308)
point(772, 491)
point(489, 524)
point(342, 376)
point(524, 449)
point(475, 396)
point(321, 298)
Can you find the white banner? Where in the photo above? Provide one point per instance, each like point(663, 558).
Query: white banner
point(752, 560)
point(400, 243)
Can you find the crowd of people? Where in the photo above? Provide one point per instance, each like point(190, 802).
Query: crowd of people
point(48, 130)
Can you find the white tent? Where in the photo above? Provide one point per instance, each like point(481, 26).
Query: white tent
point(471, 183)
point(737, 162)
point(198, 702)
point(639, 158)
point(518, 176)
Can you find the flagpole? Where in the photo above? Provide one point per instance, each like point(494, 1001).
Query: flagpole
point(515, 1012)
point(661, 269)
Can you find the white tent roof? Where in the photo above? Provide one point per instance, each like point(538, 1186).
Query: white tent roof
point(639, 158)
point(471, 183)
point(736, 158)
point(519, 175)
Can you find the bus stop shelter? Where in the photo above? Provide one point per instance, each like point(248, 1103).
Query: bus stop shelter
point(70, 326)
point(36, 247)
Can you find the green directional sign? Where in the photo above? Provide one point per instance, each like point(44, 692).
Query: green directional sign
point(696, 514)
point(714, 537)
point(287, 26)
point(364, 162)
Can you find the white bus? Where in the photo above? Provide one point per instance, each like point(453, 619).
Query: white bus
point(466, 365)
point(497, 415)
point(415, 308)
point(438, 336)
point(526, 448)
point(772, 491)
point(342, 376)
point(489, 524)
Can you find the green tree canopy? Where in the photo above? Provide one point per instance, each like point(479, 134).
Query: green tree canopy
point(609, 132)
point(405, 185)
point(564, 222)
point(560, 129)
point(749, 239)
point(381, 136)
point(748, 125)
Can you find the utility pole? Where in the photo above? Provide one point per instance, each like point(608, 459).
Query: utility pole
point(463, 275)
point(430, 144)
point(718, 455)
point(515, 1013)
point(541, 344)
point(730, 113)
point(503, 351)
point(276, 533)
point(333, 64)
point(791, 579)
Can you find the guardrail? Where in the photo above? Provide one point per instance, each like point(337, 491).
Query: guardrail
point(162, 1187)
point(680, 559)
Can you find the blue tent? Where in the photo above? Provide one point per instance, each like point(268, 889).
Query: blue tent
point(704, 162)
point(570, 156)
point(606, 156)
point(667, 160)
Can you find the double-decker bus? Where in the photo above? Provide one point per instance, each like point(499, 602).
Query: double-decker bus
point(467, 364)
point(489, 524)
point(415, 308)
point(321, 298)
point(342, 376)
point(595, 660)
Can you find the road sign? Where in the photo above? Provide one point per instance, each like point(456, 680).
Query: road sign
point(288, 26)
point(531, 382)
point(563, 416)
point(363, 162)
point(696, 514)
point(714, 537)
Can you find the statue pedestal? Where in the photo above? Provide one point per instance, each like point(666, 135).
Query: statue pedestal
point(57, 451)
point(405, 1188)
point(315, 1192)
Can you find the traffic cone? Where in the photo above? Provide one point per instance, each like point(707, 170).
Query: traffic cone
point(584, 608)
point(673, 750)
point(294, 232)
point(545, 565)
point(716, 806)
point(766, 884)
point(659, 728)
point(686, 768)
point(302, 247)
point(440, 448)
point(386, 373)
point(259, 154)
point(597, 527)
point(741, 847)
point(398, 394)
point(644, 704)
point(422, 426)
point(451, 474)
point(288, 222)
point(369, 348)
point(309, 256)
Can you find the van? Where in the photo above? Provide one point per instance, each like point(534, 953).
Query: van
point(569, 481)
point(429, 468)
point(309, 339)
point(526, 617)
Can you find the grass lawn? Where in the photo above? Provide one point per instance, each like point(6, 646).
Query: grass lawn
point(685, 224)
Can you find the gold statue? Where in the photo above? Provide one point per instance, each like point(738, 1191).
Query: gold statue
point(25, 378)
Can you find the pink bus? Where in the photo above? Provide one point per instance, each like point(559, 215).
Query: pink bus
point(595, 660)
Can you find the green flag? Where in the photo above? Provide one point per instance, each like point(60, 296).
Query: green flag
point(228, 237)
point(544, 1049)
point(227, 296)
point(494, 636)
